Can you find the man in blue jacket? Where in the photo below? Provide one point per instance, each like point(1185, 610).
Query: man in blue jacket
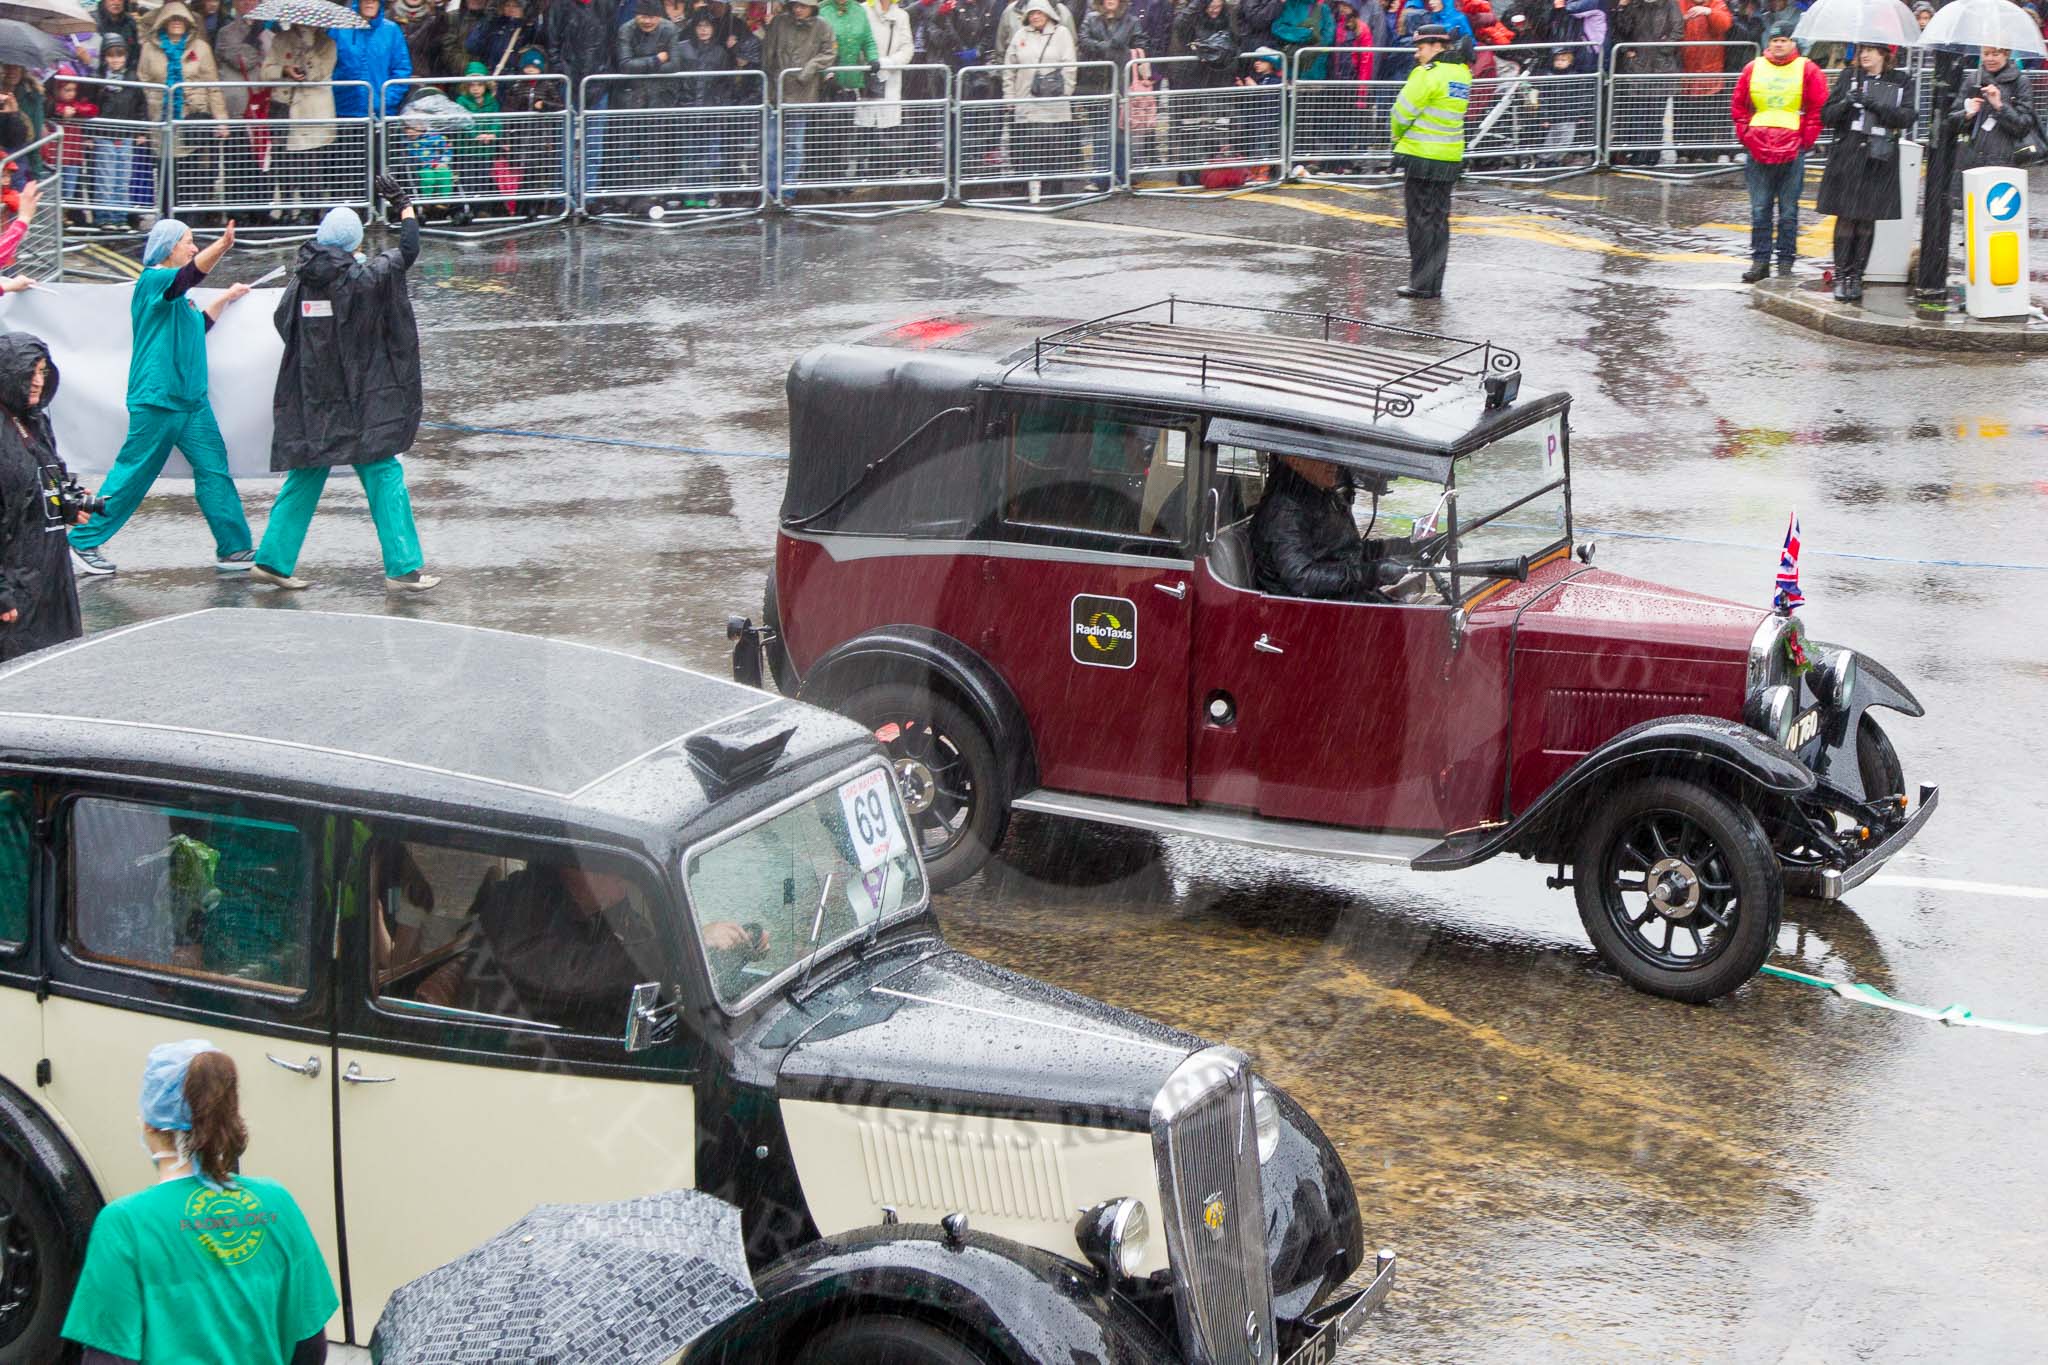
point(375, 55)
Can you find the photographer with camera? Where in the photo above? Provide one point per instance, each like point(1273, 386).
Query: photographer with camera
point(38, 499)
point(348, 391)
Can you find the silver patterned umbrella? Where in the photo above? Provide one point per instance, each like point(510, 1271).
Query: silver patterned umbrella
point(51, 16)
point(630, 1283)
point(308, 14)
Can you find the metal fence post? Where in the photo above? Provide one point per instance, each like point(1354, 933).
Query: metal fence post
point(845, 145)
point(1038, 153)
point(697, 138)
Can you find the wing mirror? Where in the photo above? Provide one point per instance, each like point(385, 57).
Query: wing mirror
point(648, 1020)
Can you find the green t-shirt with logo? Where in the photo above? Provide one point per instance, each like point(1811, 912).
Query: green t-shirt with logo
point(179, 1274)
point(167, 367)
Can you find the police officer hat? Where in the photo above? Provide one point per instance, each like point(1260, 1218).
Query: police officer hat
point(1433, 33)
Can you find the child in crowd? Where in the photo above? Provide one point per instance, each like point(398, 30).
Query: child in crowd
point(480, 161)
point(68, 110)
point(428, 157)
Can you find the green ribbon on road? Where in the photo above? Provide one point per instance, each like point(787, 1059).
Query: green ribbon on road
point(1954, 1015)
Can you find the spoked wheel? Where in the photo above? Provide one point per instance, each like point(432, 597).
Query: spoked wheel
point(35, 1271)
point(946, 770)
point(1678, 889)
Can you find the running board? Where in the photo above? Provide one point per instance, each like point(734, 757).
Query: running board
point(1233, 827)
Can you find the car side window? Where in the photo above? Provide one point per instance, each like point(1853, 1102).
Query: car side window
point(189, 893)
point(548, 939)
point(17, 859)
point(1081, 472)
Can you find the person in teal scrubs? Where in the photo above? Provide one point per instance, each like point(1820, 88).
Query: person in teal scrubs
point(207, 1266)
point(167, 402)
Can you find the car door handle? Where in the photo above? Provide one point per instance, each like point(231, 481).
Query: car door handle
point(354, 1076)
point(1174, 590)
point(1264, 644)
point(309, 1067)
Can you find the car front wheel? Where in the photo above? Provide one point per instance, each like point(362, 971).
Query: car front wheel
point(888, 1341)
point(946, 769)
point(1678, 889)
point(36, 1271)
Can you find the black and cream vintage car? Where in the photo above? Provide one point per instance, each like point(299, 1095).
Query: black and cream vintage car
point(488, 921)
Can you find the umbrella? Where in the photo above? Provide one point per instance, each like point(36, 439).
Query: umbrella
point(597, 1284)
point(1860, 21)
point(21, 45)
point(309, 14)
point(1984, 23)
point(51, 16)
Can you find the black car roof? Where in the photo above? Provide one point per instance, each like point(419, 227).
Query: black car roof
point(399, 709)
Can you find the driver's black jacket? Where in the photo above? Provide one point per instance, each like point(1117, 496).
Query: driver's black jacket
point(542, 959)
point(1304, 542)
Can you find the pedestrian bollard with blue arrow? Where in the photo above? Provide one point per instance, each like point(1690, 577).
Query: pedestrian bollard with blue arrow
point(1995, 237)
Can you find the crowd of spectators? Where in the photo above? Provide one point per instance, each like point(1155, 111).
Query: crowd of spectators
point(484, 61)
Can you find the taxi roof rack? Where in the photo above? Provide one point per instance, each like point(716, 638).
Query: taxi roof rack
point(1340, 366)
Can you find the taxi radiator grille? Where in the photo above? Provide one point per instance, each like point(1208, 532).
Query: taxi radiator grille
point(944, 1169)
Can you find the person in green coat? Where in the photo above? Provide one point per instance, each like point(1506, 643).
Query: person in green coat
point(206, 1264)
point(167, 402)
point(1428, 128)
point(848, 21)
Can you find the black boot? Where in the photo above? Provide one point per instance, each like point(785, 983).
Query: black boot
point(1841, 286)
point(1756, 271)
point(1853, 289)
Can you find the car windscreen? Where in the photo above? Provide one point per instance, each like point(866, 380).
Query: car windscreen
point(813, 872)
point(1511, 494)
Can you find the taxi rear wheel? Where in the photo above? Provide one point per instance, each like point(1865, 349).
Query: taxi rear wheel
point(36, 1270)
point(953, 788)
point(888, 1341)
point(1678, 888)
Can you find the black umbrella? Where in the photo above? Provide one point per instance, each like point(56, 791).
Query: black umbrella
point(593, 1284)
point(308, 14)
point(21, 45)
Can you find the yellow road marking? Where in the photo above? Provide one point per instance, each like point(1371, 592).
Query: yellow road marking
point(1518, 228)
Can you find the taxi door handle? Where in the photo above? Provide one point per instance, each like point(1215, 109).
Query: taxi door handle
point(1174, 590)
point(354, 1076)
point(1264, 644)
point(309, 1067)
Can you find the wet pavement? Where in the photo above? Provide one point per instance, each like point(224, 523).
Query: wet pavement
point(1570, 1170)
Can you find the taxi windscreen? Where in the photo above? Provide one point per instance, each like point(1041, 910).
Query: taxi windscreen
point(828, 866)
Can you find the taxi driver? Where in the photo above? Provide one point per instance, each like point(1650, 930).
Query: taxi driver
point(1304, 541)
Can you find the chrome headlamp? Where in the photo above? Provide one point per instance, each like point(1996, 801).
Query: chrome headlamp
point(1266, 1119)
point(1834, 681)
point(1769, 664)
point(1113, 1236)
point(1772, 711)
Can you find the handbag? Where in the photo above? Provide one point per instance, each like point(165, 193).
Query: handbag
point(2032, 148)
point(1047, 85)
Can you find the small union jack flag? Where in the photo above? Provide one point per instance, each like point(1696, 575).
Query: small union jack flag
point(1789, 596)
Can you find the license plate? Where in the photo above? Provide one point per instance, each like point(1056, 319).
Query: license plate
point(1804, 729)
point(1341, 1319)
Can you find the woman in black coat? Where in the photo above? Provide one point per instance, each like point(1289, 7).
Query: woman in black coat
point(38, 598)
point(1870, 106)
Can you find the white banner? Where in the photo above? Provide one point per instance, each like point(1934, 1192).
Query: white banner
point(87, 329)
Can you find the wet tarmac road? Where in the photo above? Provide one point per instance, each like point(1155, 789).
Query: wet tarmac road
point(1570, 1170)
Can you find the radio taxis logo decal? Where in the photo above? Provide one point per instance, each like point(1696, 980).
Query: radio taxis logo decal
point(1105, 633)
point(230, 1223)
point(1214, 1214)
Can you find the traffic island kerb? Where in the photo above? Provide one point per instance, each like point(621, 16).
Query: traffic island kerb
point(1887, 317)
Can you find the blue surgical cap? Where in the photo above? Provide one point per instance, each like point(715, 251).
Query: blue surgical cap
point(167, 233)
point(340, 228)
point(163, 1084)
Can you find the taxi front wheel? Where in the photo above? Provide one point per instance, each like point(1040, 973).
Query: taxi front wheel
point(953, 789)
point(36, 1271)
point(1678, 888)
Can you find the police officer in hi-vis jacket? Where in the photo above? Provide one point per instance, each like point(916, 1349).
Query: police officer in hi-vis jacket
point(1428, 128)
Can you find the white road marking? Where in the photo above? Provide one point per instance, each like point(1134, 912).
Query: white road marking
point(2029, 893)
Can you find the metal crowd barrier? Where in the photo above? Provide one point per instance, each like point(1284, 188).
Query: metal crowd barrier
point(896, 154)
point(1534, 121)
point(1039, 153)
point(1225, 139)
point(1652, 112)
point(1338, 129)
point(124, 167)
point(502, 171)
point(675, 149)
point(240, 167)
point(41, 253)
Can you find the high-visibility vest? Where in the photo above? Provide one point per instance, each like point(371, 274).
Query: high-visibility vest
point(1429, 119)
point(1777, 92)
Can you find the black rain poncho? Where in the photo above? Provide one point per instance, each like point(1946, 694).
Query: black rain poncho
point(35, 558)
point(348, 390)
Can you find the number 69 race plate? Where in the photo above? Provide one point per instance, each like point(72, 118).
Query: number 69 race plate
point(871, 818)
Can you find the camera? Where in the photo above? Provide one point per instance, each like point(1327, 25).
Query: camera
point(64, 498)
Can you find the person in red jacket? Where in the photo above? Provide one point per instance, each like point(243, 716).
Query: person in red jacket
point(1696, 114)
point(1776, 107)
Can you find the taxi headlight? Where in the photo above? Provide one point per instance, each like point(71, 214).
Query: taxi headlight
point(1266, 1118)
point(1834, 682)
point(1773, 711)
point(1113, 1236)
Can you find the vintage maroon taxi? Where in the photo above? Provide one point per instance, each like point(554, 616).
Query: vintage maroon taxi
point(1020, 552)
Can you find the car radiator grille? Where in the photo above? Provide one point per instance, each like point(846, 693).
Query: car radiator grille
point(920, 1165)
point(1215, 1211)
